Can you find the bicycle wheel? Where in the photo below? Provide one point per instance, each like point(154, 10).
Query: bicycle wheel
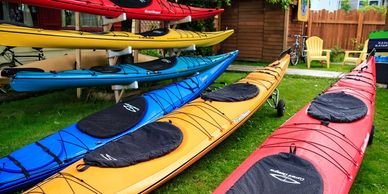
point(294, 56)
point(8, 56)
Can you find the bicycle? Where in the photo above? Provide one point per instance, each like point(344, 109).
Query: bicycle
point(10, 56)
point(298, 50)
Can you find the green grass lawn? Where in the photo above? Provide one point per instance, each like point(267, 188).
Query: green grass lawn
point(315, 65)
point(25, 121)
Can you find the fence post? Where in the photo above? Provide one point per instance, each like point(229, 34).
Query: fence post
point(386, 22)
point(310, 23)
point(360, 24)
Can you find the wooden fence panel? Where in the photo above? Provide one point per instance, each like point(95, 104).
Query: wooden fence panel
point(344, 29)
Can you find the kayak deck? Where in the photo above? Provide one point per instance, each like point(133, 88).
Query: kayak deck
point(173, 38)
point(204, 124)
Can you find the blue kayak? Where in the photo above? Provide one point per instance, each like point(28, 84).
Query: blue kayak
point(160, 69)
point(39, 160)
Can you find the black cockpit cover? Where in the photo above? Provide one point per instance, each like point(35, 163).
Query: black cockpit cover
point(158, 64)
point(114, 120)
point(280, 173)
point(132, 3)
point(150, 141)
point(156, 32)
point(233, 93)
point(105, 69)
point(337, 107)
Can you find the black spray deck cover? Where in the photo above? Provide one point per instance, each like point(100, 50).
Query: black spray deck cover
point(158, 64)
point(233, 93)
point(150, 141)
point(114, 120)
point(280, 173)
point(337, 107)
point(132, 3)
point(105, 69)
point(156, 32)
point(10, 72)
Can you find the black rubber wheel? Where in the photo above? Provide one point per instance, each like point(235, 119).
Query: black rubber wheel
point(372, 134)
point(281, 108)
point(294, 57)
point(304, 59)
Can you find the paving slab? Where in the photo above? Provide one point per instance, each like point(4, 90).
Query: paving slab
point(290, 71)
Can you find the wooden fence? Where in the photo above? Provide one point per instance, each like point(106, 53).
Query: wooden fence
point(344, 29)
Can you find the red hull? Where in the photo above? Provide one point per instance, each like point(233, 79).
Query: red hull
point(156, 10)
point(336, 161)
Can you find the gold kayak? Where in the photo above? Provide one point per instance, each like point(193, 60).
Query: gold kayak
point(11, 35)
point(204, 124)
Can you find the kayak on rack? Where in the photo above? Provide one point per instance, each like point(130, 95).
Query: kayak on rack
point(141, 161)
point(159, 69)
point(318, 150)
point(13, 35)
point(62, 63)
point(133, 9)
point(49, 155)
point(58, 63)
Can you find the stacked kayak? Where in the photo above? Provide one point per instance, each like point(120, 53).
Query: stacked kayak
point(43, 158)
point(141, 161)
point(12, 35)
point(156, 70)
point(134, 9)
point(318, 150)
point(60, 63)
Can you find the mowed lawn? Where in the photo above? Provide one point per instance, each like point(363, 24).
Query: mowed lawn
point(25, 121)
point(315, 65)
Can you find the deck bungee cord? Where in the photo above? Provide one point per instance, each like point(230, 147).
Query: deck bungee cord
point(158, 98)
point(59, 150)
point(320, 147)
point(178, 139)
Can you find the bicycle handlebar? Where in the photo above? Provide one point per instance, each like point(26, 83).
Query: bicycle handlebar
point(297, 36)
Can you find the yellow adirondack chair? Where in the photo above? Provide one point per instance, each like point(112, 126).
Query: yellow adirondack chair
point(356, 59)
point(315, 51)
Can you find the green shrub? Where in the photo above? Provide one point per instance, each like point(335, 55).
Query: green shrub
point(337, 54)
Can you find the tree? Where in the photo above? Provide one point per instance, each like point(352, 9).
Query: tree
point(345, 5)
point(284, 3)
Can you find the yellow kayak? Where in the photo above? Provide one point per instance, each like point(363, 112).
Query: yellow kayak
point(11, 35)
point(186, 135)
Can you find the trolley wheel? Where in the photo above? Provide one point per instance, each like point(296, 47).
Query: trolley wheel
point(372, 134)
point(281, 108)
point(294, 57)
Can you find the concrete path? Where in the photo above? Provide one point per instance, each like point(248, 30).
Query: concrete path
point(304, 72)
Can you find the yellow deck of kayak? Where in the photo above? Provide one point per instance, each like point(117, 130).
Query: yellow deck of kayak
point(11, 35)
point(204, 124)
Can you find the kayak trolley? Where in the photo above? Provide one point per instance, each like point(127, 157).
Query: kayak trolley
point(274, 102)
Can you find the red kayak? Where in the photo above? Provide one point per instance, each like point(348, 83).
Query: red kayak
point(134, 9)
point(318, 150)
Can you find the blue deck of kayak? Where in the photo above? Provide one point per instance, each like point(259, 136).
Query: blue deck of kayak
point(25, 81)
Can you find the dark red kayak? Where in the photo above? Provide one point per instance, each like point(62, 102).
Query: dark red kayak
point(134, 9)
point(318, 150)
